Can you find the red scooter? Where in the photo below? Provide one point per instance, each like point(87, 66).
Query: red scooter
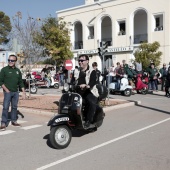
point(141, 85)
point(43, 83)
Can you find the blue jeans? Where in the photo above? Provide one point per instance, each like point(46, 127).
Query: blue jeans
point(61, 79)
point(49, 82)
point(153, 84)
point(11, 97)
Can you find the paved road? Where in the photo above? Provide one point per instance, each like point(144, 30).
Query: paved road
point(131, 138)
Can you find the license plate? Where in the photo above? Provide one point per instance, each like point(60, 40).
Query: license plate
point(62, 119)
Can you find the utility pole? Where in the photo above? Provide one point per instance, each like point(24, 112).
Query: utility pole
point(102, 50)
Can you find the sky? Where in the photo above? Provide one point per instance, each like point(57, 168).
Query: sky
point(36, 8)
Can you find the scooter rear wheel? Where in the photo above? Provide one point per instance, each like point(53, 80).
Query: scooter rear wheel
point(127, 92)
point(60, 136)
point(33, 90)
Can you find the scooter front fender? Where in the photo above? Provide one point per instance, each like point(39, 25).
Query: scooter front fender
point(60, 119)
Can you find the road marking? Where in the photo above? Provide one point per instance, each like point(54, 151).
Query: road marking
point(19, 121)
point(6, 132)
point(155, 98)
point(31, 127)
point(101, 145)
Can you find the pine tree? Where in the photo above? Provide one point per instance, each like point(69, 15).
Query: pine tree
point(54, 36)
point(5, 28)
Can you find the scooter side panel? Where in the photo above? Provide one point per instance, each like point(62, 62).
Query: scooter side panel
point(112, 86)
point(125, 87)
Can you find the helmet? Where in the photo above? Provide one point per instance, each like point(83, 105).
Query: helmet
point(102, 90)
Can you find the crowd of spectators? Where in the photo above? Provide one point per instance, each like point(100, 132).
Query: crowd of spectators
point(155, 76)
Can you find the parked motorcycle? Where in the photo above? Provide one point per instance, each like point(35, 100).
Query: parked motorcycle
point(71, 115)
point(30, 83)
point(44, 83)
point(122, 86)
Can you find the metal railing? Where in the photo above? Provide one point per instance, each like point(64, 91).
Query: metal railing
point(139, 38)
point(78, 45)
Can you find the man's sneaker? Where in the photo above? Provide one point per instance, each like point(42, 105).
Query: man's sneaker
point(15, 124)
point(2, 127)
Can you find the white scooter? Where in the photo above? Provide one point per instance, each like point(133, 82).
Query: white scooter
point(43, 83)
point(122, 86)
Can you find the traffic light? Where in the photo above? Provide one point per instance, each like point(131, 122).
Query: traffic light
point(103, 48)
point(100, 52)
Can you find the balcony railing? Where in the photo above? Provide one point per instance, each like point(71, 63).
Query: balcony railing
point(78, 45)
point(139, 38)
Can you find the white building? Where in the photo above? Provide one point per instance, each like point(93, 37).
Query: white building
point(122, 23)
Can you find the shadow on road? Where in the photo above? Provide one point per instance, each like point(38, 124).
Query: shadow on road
point(158, 95)
point(151, 108)
point(79, 133)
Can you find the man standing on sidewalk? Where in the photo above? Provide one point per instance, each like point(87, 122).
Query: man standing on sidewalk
point(163, 72)
point(10, 81)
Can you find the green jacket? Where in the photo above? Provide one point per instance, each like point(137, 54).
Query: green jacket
point(11, 78)
point(152, 72)
point(126, 67)
point(130, 72)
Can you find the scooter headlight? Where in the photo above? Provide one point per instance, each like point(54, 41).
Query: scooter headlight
point(66, 87)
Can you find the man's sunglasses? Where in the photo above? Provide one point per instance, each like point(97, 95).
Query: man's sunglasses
point(11, 60)
point(81, 61)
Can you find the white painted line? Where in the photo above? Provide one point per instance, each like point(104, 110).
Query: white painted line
point(6, 132)
point(19, 121)
point(31, 127)
point(101, 145)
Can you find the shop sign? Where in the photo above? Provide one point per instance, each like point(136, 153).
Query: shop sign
point(109, 50)
point(119, 49)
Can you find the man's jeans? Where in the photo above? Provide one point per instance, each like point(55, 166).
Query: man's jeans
point(61, 79)
point(49, 82)
point(11, 97)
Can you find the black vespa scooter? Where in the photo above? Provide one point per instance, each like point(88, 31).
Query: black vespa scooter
point(71, 115)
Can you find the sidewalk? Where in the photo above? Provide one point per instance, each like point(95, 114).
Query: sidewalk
point(46, 104)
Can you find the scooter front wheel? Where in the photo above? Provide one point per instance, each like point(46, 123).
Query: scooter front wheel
point(60, 136)
point(142, 91)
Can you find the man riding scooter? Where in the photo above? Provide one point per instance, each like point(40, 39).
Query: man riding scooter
point(85, 78)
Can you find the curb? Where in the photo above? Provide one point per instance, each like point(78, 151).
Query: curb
point(106, 109)
point(119, 106)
